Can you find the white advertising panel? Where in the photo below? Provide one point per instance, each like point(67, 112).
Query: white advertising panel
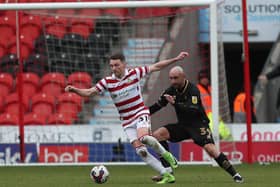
point(64, 134)
point(263, 20)
point(111, 133)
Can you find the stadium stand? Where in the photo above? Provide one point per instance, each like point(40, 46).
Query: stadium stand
point(58, 118)
point(31, 25)
point(80, 80)
point(7, 25)
point(34, 119)
point(69, 104)
point(43, 104)
point(6, 84)
point(30, 84)
point(53, 83)
point(26, 45)
point(59, 49)
point(8, 119)
point(9, 64)
point(12, 103)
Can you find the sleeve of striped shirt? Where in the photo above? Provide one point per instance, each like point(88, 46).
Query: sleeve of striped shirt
point(142, 71)
point(101, 85)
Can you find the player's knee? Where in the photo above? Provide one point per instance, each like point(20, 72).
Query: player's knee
point(148, 140)
point(142, 151)
point(157, 135)
point(161, 134)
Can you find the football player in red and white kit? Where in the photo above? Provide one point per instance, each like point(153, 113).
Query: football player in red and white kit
point(124, 88)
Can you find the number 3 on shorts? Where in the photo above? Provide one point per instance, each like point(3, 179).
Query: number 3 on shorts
point(144, 118)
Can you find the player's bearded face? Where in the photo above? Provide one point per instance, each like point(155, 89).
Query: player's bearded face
point(117, 67)
point(176, 80)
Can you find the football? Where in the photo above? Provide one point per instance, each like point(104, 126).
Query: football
point(99, 174)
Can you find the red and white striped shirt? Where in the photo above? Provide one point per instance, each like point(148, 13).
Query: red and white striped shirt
point(126, 93)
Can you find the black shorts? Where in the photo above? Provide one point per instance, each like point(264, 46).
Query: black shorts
point(199, 133)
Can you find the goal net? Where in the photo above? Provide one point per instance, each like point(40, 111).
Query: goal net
point(50, 45)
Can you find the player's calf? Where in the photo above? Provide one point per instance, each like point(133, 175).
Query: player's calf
point(227, 166)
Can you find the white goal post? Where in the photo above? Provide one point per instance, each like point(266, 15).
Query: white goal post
point(212, 4)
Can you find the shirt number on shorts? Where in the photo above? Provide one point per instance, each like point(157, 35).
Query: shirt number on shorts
point(144, 119)
point(205, 131)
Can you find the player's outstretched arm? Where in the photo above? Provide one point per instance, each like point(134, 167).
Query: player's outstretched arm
point(82, 92)
point(162, 64)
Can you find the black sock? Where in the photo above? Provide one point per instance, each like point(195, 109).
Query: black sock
point(225, 164)
point(164, 162)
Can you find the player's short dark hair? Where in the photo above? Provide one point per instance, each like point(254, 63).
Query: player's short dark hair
point(117, 56)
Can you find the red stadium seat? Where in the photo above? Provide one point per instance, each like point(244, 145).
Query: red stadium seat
point(9, 18)
point(6, 84)
point(65, 12)
point(56, 25)
point(1, 103)
point(162, 11)
point(145, 12)
point(12, 103)
point(26, 46)
point(53, 83)
point(7, 31)
point(3, 45)
point(8, 119)
point(31, 31)
point(90, 13)
point(31, 25)
point(43, 104)
point(65, 0)
point(3, 41)
point(69, 104)
point(82, 27)
point(40, 1)
point(31, 20)
point(58, 118)
point(30, 83)
point(92, 0)
point(2, 51)
point(118, 12)
point(34, 119)
point(10, 13)
point(82, 21)
point(80, 80)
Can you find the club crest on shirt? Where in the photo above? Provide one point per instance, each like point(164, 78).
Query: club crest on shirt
point(194, 99)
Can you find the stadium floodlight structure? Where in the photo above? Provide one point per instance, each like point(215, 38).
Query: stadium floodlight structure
point(72, 40)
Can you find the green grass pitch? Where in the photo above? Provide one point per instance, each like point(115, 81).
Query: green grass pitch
point(134, 176)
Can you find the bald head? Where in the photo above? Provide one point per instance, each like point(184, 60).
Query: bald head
point(177, 77)
point(178, 70)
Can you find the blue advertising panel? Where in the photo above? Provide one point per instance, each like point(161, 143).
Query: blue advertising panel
point(104, 152)
point(10, 153)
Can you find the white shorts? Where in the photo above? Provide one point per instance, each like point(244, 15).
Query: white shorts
point(140, 122)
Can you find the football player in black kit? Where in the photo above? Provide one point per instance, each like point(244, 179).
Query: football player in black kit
point(192, 120)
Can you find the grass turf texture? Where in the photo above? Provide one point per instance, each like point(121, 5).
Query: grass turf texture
point(134, 176)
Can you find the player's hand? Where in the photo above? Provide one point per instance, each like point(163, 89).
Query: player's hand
point(69, 88)
point(170, 98)
point(182, 55)
point(263, 79)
